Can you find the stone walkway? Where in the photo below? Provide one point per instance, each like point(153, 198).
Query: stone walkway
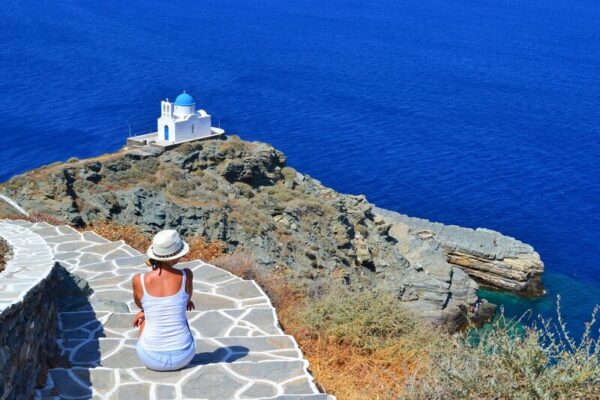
point(242, 351)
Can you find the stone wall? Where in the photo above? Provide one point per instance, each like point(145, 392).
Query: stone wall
point(28, 312)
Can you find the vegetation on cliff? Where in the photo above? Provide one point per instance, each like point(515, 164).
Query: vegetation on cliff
point(4, 254)
point(243, 195)
point(363, 344)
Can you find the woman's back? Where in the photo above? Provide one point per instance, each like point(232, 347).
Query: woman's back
point(164, 301)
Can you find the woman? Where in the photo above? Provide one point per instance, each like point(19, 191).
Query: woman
point(165, 342)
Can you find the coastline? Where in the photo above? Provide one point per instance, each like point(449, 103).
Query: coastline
point(491, 258)
point(245, 195)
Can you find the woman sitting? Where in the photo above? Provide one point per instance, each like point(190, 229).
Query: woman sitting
point(165, 341)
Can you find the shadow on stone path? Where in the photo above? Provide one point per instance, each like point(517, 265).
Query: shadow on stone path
point(227, 354)
point(72, 298)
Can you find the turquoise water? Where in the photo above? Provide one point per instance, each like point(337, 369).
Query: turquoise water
point(477, 113)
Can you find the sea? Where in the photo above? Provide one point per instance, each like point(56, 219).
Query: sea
point(480, 113)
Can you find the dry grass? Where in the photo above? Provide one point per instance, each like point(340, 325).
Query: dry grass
point(360, 345)
point(4, 254)
point(349, 368)
point(512, 361)
point(114, 231)
point(33, 217)
point(203, 250)
point(199, 247)
point(365, 346)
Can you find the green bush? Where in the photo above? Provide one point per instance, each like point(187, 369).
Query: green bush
point(363, 319)
point(510, 361)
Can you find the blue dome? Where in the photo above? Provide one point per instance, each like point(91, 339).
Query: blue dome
point(184, 99)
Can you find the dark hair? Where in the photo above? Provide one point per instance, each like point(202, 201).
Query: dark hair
point(154, 264)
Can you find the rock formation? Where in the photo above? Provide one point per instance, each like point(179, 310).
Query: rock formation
point(492, 259)
point(243, 194)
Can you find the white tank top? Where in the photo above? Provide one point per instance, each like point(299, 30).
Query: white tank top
point(166, 326)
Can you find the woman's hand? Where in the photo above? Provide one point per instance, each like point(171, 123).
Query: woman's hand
point(138, 319)
point(190, 305)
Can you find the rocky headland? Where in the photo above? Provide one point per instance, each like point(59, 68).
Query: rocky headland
point(243, 194)
point(492, 259)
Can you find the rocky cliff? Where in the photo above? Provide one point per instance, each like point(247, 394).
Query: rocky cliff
point(243, 194)
point(492, 259)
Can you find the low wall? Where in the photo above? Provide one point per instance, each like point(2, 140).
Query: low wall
point(28, 312)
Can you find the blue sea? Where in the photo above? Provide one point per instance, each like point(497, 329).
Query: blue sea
point(481, 113)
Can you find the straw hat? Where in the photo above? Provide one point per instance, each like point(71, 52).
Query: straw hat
point(167, 245)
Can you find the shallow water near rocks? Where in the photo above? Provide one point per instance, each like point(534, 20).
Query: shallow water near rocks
point(473, 113)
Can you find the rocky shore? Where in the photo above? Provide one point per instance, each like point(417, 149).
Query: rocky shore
point(243, 194)
point(492, 259)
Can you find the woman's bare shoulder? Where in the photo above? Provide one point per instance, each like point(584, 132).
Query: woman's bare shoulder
point(136, 280)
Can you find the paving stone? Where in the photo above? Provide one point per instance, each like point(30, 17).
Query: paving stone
point(104, 248)
point(87, 258)
point(66, 230)
point(165, 392)
point(298, 386)
point(212, 382)
point(121, 353)
point(214, 323)
point(132, 391)
point(133, 261)
point(273, 371)
point(259, 390)
point(111, 281)
point(240, 290)
point(207, 301)
point(112, 294)
point(121, 253)
point(71, 246)
point(68, 386)
point(109, 305)
point(241, 350)
point(94, 237)
point(63, 239)
point(211, 274)
point(103, 380)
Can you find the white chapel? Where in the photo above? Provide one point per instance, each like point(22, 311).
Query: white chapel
point(179, 122)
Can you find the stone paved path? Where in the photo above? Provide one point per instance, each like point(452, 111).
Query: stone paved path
point(242, 351)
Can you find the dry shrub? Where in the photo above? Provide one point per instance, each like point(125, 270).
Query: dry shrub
point(510, 361)
point(360, 346)
point(203, 250)
point(276, 286)
point(114, 231)
point(363, 319)
point(239, 264)
point(199, 247)
point(5, 253)
point(32, 217)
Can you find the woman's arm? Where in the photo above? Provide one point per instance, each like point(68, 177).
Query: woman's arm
point(137, 290)
point(137, 296)
point(189, 287)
